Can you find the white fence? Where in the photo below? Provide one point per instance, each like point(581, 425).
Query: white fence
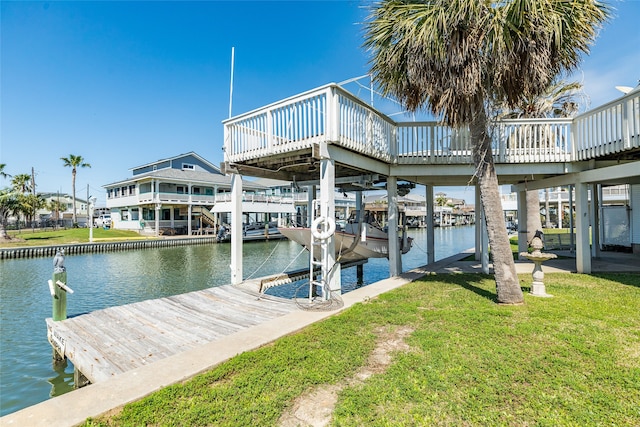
point(331, 114)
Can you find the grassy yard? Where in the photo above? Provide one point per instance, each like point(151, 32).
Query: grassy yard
point(571, 360)
point(27, 237)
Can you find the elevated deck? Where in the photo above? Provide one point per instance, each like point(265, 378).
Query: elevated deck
point(286, 140)
point(108, 342)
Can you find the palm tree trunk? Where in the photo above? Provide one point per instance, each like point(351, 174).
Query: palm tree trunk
point(73, 188)
point(3, 228)
point(534, 223)
point(507, 285)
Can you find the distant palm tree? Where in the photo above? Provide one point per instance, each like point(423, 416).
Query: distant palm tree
point(441, 199)
point(3, 174)
point(460, 59)
point(21, 183)
point(57, 206)
point(74, 162)
point(9, 205)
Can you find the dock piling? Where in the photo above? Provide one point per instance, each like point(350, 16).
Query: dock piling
point(59, 294)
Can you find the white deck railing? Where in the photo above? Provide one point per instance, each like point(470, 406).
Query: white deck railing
point(610, 128)
point(332, 114)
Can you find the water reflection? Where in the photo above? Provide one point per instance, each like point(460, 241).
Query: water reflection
point(108, 279)
point(62, 382)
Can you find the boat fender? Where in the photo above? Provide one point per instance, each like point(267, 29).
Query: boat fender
point(322, 228)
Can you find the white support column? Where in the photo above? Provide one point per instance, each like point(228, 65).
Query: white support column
point(158, 211)
point(523, 245)
point(571, 219)
point(359, 206)
point(332, 275)
point(478, 228)
point(583, 254)
point(395, 260)
point(560, 212)
point(596, 226)
point(634, 205)
point(189, 212)
point(155, 185)
point(431, 254)
point(236, 229)
point(311, 195)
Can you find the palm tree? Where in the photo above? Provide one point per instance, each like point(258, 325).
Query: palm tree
point(9, 205)
point(441, 199)
point(74, 162)
point(3, 174)
point(461, 59)
point(56, 206)
point(21, 183)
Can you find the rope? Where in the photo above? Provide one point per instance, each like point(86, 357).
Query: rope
point(333, 303)
point(265, 261)
point(293, 260)
point(413, 243)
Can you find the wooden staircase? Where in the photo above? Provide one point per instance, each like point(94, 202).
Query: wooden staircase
point(206, 215)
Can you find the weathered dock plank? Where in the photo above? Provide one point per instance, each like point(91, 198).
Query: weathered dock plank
point(114, 340)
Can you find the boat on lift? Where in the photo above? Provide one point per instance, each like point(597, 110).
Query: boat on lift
point(357, 239)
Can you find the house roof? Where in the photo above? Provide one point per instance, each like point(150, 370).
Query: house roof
point(168, 159)
point(61, 196)
point(270, 183)
point(185, 176)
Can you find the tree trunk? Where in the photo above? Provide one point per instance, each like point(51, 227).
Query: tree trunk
point(73, 188)
point(533, 214)
point(507, 284)
point(3, 228)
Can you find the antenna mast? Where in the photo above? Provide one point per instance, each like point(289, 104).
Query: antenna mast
point(231, 84)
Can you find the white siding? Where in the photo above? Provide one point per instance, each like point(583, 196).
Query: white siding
point(635, 214)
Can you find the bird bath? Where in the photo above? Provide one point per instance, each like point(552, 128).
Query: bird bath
point(537, 287)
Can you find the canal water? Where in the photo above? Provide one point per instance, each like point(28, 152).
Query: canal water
point(110, 279)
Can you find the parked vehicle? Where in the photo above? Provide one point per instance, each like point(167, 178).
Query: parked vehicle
point(103, 221)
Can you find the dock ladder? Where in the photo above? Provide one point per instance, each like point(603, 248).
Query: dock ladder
point(322, 228)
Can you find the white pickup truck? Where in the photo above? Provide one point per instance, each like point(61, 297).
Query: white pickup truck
point(103, 221)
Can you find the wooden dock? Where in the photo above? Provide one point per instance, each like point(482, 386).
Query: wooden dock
point(108, 342)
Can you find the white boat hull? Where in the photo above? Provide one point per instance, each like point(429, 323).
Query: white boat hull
point(346, 251)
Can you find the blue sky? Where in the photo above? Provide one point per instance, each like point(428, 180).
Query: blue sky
point(126, 83)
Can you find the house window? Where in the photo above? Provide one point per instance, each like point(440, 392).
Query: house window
point(148, 214)
point(135, 214)
point(188, 167)
point(196, 190)
point(125, 215)
point(180, 189)
point(166, 214)
point(177, 216)
point(132, 190)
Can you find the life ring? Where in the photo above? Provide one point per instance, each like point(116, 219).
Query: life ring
point(318, 228)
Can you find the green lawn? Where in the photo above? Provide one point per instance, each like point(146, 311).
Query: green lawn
point(570, 360)
point(27, 237)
